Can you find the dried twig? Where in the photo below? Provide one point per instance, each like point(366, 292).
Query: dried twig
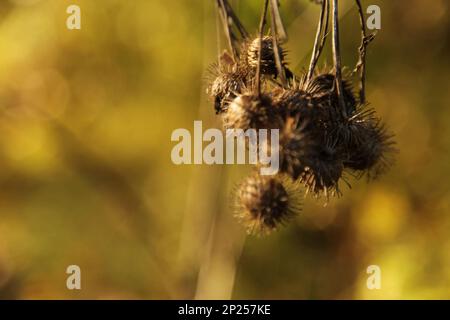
point(275, 38)
point(281, 31)
point(229, 19)
point(337, 59)
point(235, 20)
point(262, 25)
point(361, 65)
point(321, 35)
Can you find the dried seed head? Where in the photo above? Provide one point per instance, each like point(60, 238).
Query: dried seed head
point(318, 167)
point(268, 64)
point(301, 105)
point(228, 80)
point(307, 155)
point(295, 151)
point(324, 173)
point(224, 88)
point(370, 147)
point(307, 150)
point(263, 203)
point(322, 87)
point(251, 111)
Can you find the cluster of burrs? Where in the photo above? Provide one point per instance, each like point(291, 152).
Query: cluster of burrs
point(326, 130)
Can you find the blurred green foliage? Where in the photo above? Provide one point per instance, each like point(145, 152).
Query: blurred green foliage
point(86, 176)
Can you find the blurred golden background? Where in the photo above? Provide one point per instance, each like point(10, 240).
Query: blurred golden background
point(86, 176)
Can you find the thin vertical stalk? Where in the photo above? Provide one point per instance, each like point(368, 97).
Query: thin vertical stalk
point(361, 66)
point(236, 21)
point(262, 25)
point(337, 59)
point(229, 19)
point(276, 48)
point(281, 31)
point(321, 35)
point(226, 27)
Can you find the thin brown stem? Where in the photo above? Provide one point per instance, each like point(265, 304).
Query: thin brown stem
point(327, 22)
point(236, 21)
point(361, 65)
point(321, 35)
point(281, 31)
point(337, 59)
point(229, 18)
point(276, 48)
point(262, 25)
point(226, 27)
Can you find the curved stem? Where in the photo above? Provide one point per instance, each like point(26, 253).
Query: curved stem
point(228, 19)
point(236, 21)
point(276, 48)
point(281, 31)
point(262, 25)
point(318, 46)
point(337, 59)
point(361, 65)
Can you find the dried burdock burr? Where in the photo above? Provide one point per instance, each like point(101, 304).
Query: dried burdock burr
point(325, 129)
point(228, 80)
point(297, 103)
point(268, 62)
point(307, 150)
point(251, 111)
point(264, 203)
point(296, 149)
point(324, 173)
point(370, 146)
point(323, 86)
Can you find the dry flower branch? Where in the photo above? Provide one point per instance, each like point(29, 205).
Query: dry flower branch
point(325, 134)
point(275, 38)
point(229, 19)
point(337, 59)
point(281, 31)
point(361, 65)
point(261, 35)
point(321, 36)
